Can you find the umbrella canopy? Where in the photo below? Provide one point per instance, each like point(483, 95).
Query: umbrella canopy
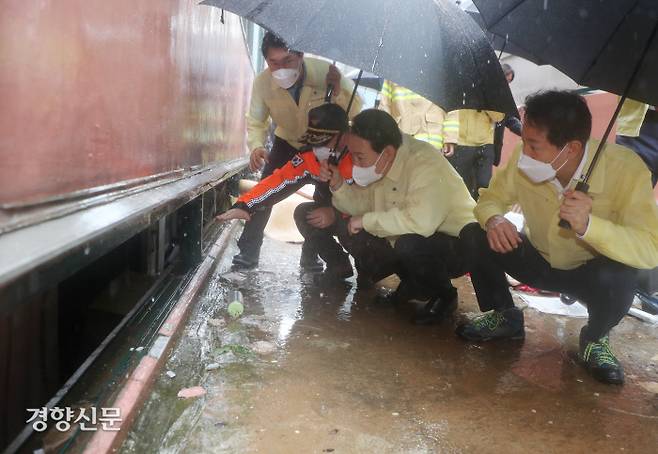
point(369, 80)
point(502, 44)
point(429, 46)
point(598, 43)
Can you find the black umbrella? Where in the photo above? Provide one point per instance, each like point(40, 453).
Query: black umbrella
point(597, 43)
point(502, 44)
point(368, 80)
point(429, 46)
point(606, 44)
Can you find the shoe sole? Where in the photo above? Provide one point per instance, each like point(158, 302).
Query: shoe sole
point(596, 376)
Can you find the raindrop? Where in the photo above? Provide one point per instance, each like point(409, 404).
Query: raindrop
point(545, 5)
point(87, 250)
point(583, 13)
point(421, 71)
point(488, 62)
point(425, 55)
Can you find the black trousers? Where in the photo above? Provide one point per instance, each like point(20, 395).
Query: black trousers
point(475, 165)
point(424, 265)
point(252, 236)
point(605, 286)
point(320, 241)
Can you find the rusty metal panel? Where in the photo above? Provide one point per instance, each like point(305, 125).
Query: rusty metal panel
point(94, 92)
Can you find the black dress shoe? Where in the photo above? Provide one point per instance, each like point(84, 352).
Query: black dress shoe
point(435, 311)
point(311, 263)
point(334, 274)
point(243, 261)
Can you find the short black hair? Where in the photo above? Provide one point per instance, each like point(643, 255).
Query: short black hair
point(271, 40)
point(507, 69)
point(378, 128)
point(563, 114)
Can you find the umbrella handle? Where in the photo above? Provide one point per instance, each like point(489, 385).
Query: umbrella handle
point(583, 187)
point(327, 96)
point(330, 90)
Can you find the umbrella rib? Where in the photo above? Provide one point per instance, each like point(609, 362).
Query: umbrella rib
point(607, 41)
point(502, 16)
point(381, 43)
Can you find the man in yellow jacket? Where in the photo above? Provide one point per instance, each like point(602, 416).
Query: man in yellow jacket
point(637, 129)
point(474, 156)
point(284, 93)
point(614, 229)
point(406, 208)
point(420, 117)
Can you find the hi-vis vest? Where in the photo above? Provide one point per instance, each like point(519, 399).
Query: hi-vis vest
point(418, 116)
point(476, 127)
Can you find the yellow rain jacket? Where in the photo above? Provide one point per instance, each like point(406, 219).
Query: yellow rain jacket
point(421, 193)
point(476, 127)
point(271, 102)
point(418, 116)
point(623, 224)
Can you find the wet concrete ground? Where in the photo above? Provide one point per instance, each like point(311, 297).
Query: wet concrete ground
point(327, 370)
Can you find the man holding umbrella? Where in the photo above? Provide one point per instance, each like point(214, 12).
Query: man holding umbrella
point(283, 94)
point(614, 229)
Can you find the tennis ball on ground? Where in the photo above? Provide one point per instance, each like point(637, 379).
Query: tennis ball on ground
point(235, 309)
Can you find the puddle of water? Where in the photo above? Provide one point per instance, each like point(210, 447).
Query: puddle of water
point(327, 370)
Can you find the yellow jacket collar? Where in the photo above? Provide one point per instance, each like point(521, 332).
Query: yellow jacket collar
point(395, 171)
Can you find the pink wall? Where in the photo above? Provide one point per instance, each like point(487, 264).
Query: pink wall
point(95, 92)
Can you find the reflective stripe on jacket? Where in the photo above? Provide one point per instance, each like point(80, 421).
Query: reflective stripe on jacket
point(303, 168)
point(418, 116)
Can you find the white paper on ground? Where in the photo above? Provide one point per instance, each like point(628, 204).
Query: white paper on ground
point(553, 305)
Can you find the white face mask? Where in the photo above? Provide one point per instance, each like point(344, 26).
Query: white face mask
point(285, 77)
point(322, 153)
point(363, 176)
point(538, 171)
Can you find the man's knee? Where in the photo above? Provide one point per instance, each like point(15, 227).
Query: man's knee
point(301, 211)
point(473, 238)
point(409, 245)
point(616, 277)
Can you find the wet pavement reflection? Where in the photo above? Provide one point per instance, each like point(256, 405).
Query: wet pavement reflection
point(309, 369)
